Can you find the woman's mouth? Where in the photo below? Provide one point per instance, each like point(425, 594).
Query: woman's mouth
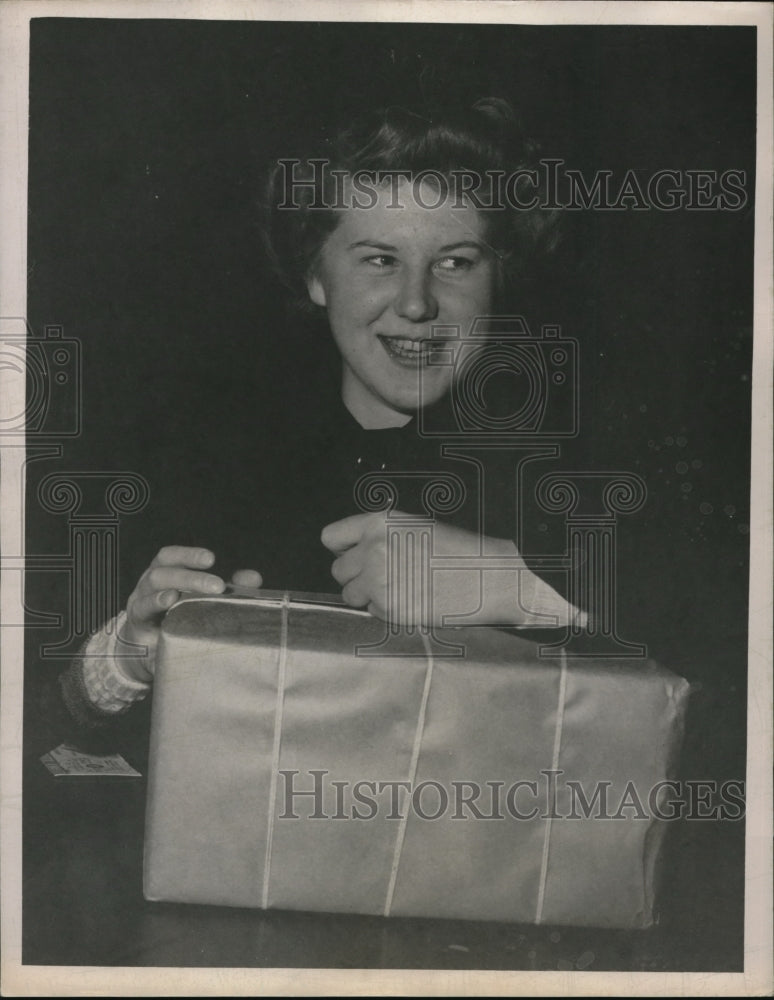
point(411, 352)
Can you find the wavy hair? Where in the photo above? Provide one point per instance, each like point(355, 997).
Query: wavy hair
point(485, 141)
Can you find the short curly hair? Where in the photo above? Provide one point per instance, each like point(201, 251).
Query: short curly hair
point(484, 141)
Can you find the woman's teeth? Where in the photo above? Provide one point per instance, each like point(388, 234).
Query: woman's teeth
point(402, 347)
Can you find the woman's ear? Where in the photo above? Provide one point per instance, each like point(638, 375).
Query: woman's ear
point(316, 289)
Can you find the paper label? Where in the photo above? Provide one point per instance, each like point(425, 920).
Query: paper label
point(68, 761)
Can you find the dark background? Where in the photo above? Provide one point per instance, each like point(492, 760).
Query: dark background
point(147, 140)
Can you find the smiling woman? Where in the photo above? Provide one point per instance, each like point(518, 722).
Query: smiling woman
point(266, 399)
point(398, 227)
point(406, 272)
point(389, 279)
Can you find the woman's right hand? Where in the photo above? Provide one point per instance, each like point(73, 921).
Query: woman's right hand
point(175, 569)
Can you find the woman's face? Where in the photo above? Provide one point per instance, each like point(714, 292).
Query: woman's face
point(387, 276)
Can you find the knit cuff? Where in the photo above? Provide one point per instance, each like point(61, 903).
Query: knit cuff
point(109, 688)
point(94, 687)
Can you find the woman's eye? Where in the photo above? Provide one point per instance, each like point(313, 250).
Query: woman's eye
point(381, 260)
point(454, 264)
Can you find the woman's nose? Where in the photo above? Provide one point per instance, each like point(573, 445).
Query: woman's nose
point(414, 300)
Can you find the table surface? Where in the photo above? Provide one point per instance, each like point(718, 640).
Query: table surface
point(83, 905)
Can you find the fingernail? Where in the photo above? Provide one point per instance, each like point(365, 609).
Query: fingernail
point(213, 585)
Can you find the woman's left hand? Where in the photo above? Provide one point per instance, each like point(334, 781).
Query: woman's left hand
point(405, 591)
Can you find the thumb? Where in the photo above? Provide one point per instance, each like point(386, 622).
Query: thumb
point(342, 535)
point(247, 578)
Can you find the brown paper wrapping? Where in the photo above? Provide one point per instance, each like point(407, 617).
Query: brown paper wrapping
point(246, 690)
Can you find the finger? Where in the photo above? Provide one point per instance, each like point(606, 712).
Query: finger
point(341, 535)
point(180, 578)
point(184, 555)
point(247, 578)
point(347, 566)
point(355, 594)
point(150, 607)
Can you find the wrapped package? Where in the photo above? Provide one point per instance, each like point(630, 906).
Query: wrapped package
point(306, 757)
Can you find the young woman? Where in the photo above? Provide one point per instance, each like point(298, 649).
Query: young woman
point(403, 236)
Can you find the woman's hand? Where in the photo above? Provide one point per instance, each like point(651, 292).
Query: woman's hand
point(474, 580)
point(175, 569)
point(401, 590)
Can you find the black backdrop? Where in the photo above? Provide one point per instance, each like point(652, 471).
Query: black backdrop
point(146, 142)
